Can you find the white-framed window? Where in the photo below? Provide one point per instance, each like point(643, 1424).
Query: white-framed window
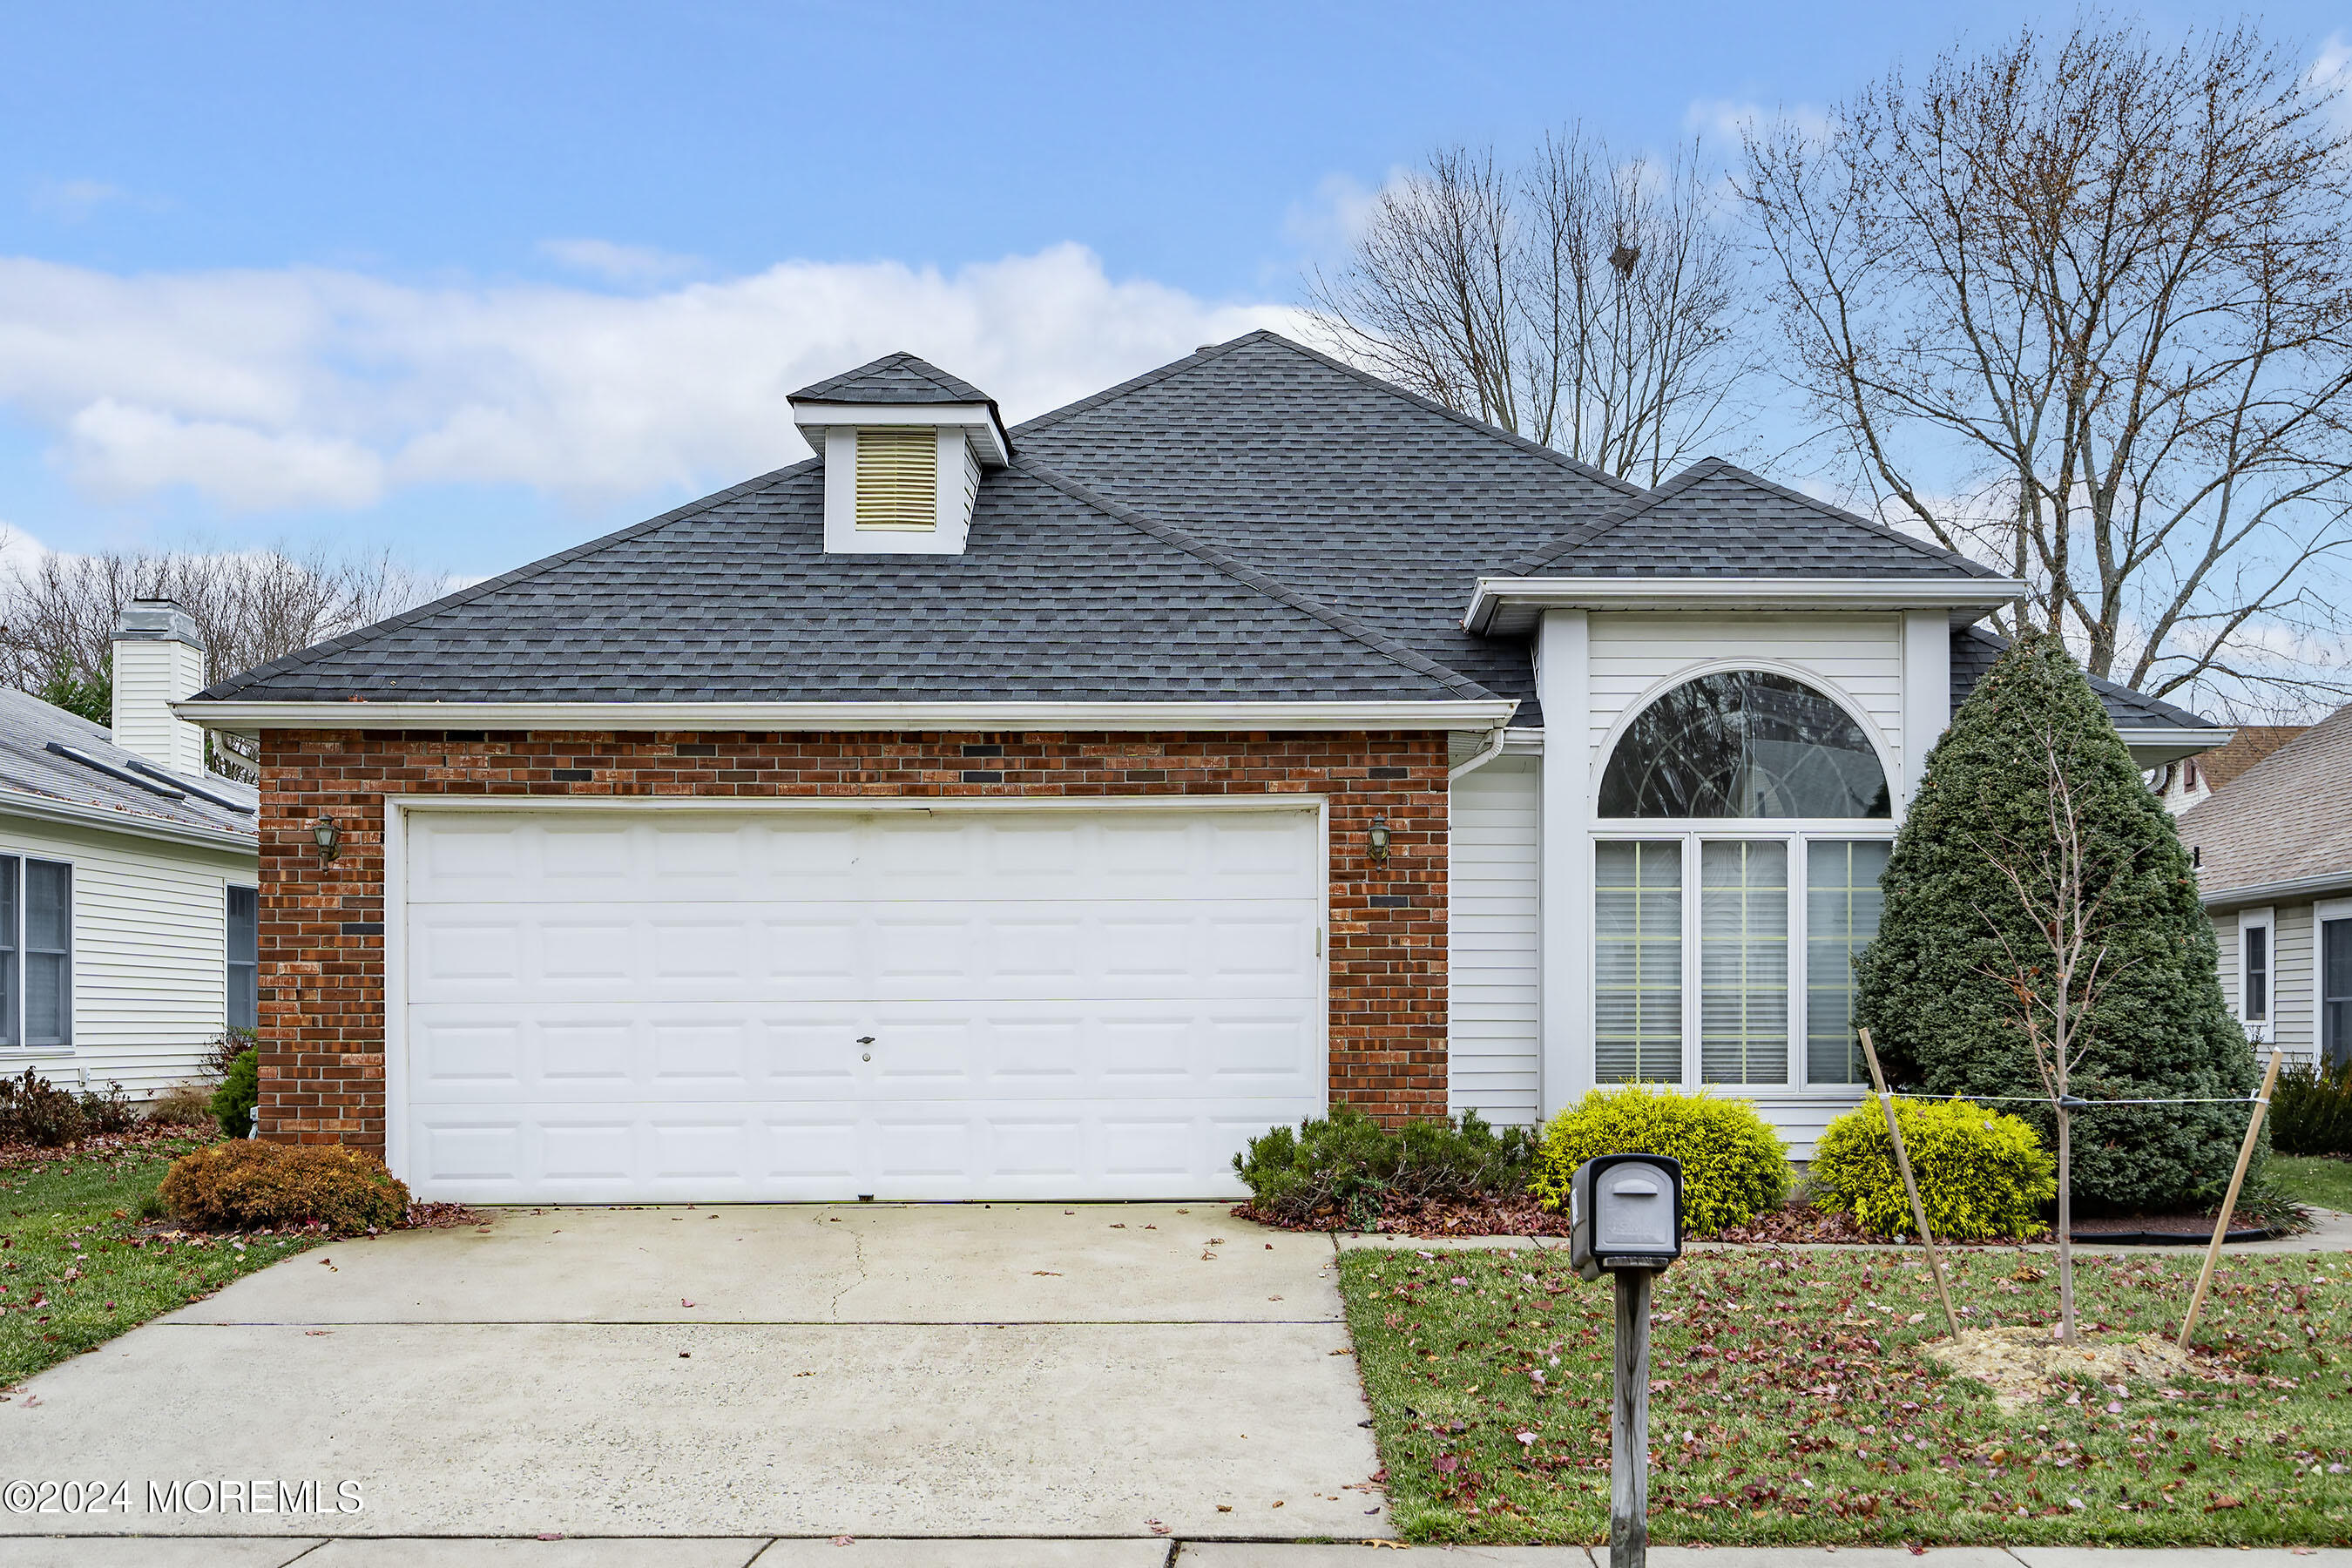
point(243, 921)
point(2332, 937)
point(35, 953)
point(1745, 822)
point(2257, 971)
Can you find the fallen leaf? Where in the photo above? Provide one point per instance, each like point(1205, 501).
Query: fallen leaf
point(1045, 1273)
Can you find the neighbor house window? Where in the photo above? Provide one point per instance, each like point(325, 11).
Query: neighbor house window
point(35, 953)
point(2335, 922)
point(1751, 982)
point(2256, 946)
point(243, 958)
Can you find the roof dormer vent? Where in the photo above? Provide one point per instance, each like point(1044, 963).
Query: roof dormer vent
point(904, 445)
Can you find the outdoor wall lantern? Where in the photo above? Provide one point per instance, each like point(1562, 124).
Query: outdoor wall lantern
point(1378, 839)
point(326, 836)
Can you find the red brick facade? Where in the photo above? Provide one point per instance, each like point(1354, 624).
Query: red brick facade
point(322, 1026)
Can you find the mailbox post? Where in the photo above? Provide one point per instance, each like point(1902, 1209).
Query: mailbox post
point(1625, 1219)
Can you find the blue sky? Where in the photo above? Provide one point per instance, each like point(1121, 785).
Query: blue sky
point(480, 281)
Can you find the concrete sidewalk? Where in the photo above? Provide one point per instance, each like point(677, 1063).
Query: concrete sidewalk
point(881, 1553)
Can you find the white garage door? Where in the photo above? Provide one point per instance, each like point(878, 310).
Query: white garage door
point(796, 1004)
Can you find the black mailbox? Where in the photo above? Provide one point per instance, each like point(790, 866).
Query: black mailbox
point(1625, 1210)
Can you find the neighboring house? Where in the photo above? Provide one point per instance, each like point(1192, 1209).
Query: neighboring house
point(2274, 853)
point(128, 877)
point(2186, 782)
point(969, 812)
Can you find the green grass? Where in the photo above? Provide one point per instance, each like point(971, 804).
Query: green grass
point(71, 1275)
point(2310, 1179)
point(1789, 1405)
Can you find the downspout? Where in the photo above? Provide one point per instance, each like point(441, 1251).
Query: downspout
point(1487, 753)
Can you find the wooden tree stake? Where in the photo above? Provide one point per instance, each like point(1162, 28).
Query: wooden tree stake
point(2230, 1202)
point(1903, 1163)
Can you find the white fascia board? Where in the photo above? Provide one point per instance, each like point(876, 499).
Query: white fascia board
point(14, 802)
point(1510, 606)
point(2293, 891)
point(987, 432)
point(2152, 746)
point(805, 716)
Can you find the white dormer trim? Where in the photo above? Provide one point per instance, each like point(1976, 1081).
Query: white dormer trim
point(958, 487)
point(978, 421)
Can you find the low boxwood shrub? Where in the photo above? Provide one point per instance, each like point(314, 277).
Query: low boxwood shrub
point(35, 1110)
point(245, 1186)
point(1346, 1164)
point(1982, 1174)
point(239, 1092)
point(1733, 1165)
point(2311, 1110)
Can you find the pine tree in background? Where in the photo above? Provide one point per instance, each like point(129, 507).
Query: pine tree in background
point(91, 696)
point(1940, 986)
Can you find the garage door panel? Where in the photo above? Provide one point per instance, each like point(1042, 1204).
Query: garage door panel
point(672, 1007)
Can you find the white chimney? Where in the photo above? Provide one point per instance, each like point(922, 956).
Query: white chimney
point(159, 659)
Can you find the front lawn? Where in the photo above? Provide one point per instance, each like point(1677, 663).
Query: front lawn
point(73, 1274)
point(1788, 1404)
point(2312, 1179)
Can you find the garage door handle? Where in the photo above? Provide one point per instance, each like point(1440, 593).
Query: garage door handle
point(864, 1039)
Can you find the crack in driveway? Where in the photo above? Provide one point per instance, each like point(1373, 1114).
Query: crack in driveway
point(857, 1242)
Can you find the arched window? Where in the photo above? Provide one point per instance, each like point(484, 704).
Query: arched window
point(1744, 742)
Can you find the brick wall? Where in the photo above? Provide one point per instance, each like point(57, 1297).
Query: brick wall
point(323, 924)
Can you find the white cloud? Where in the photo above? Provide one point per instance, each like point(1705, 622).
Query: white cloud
point(311, 387)
point(74, 200)
point(2331, 71)
point(1327, 223)
point(1725, 121)
point(632, 266)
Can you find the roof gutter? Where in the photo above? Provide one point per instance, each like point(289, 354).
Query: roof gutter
point(243, 717)
point(1510, 604)
point(15, 803)
point(2294, 889)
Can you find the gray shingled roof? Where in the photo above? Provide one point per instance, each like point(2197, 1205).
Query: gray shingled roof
point(2288, 819)
point(1059, 597)
point(27, 767)
point(1715, 519)
point(1375, 501)
point(893, 378)
point(1255, 520)
point(1974, 648)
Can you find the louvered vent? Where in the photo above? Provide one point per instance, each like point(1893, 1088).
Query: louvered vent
point(898, 479)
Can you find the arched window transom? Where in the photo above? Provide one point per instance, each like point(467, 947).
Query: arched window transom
point(1744, 743)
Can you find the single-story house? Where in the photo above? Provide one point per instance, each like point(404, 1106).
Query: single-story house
point(2273, 851)
point(1040, 812)
point(129, 881)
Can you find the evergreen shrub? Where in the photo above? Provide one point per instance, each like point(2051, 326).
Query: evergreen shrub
point(1934, 987)
point(1346, 1164)
point(2311, 1110)
point(239, 1092)
point(1982, 1174)
point(1733, 1165)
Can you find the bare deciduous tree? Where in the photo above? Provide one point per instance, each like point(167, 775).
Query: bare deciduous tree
point(2083, 309)
point(57, 613)
point(1586, 304)
point(2057, 978)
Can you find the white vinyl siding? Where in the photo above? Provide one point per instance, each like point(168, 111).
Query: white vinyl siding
point(1635, 654)
point(149, 954)
point(898, 479)
point(2294, 973)
point(1495, 980)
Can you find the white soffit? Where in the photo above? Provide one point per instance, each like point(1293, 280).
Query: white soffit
point(978, 421)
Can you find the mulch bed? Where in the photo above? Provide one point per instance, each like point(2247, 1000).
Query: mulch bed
point(2161, 1229)
point(1792, 1224)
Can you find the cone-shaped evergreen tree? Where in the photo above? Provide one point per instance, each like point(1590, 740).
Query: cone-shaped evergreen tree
point(1933, 987)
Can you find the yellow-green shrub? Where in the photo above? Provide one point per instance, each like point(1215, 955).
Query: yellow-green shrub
point(1733, 1165)
point(1981, 1174)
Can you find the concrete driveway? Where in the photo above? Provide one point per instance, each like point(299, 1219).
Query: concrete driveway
point(1017, 1369)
